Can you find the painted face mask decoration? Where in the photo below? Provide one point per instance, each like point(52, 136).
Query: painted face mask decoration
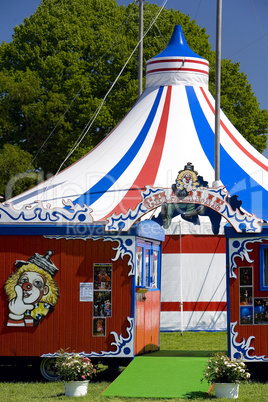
point(31, 290)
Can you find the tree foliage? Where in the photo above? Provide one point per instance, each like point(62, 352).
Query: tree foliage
point(240, 104)
point(63, 60)
point(15, 173)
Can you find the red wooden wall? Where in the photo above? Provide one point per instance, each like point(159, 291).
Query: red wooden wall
point(70, 324)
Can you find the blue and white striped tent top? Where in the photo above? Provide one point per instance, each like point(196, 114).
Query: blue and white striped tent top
point(171, 124)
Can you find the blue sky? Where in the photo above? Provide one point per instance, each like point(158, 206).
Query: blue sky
point(244, 31)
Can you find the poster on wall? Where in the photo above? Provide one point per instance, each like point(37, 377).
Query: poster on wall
point(246, 295)
point(99, 326)
point(246, 315)
point(261, 311)
point(245, 276)
point(102, 304)
point(102, 276)
point(86, 292)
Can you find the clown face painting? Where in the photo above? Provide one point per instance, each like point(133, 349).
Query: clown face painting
point(33, 287)
point(186, 181)
point(31, 290)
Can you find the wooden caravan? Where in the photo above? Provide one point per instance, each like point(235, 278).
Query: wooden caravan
point(247, 294)
point(80, 288)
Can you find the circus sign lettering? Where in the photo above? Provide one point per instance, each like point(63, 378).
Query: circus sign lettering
point(205, 197)
point(189, 197)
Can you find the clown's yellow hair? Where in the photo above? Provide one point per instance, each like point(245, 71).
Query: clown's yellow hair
point(185, 172)
point(53, 293)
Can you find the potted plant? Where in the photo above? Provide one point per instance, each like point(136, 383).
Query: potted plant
point(76, 371)
point(226, 375)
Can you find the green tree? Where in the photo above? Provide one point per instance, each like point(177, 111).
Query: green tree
point(240, 104)
point(63, 60)
point(16, 176)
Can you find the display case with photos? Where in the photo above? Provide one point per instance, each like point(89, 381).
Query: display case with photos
point(102, 298)
point(246, 295)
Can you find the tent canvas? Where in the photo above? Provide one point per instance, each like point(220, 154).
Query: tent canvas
point(171, 123)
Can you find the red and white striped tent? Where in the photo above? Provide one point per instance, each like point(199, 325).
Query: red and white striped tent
point(171, 124)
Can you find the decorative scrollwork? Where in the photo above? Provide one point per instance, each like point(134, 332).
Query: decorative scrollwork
point(240, 350)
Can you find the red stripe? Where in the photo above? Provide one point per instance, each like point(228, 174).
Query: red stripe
point(177, 69)
point(149, 170)
point(237, 143)
point(194, 306)
point(176, 61)
point(194, 244)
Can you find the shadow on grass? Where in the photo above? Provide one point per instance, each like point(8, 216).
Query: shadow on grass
point(180, 353)
point(31, 373)
point(107, 374)
point(12, 373)
point(197, 394)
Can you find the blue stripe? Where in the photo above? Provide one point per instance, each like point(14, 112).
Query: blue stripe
point(253, 196)
point(177, 46)
point(103, 185)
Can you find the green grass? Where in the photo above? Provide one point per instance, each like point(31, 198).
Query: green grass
point(37, 391)
point(213, 341)
point(52, 391)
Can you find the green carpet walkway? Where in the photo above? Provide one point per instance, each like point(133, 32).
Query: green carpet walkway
point(159, 375)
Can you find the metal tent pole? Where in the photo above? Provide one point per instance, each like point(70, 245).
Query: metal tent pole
point(181, 297)
point(140, 47)
point(218, 91)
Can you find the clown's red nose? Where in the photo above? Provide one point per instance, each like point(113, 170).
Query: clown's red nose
point(27, 286)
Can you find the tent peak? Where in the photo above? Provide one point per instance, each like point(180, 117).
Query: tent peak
point(177, 64)
point(178, 46)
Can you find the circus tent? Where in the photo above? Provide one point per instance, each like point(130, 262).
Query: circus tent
point(171, 126)
point(171, 123)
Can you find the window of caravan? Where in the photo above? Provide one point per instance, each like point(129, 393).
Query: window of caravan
point(147, 264)
point(138, 266)
point(263, 267)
